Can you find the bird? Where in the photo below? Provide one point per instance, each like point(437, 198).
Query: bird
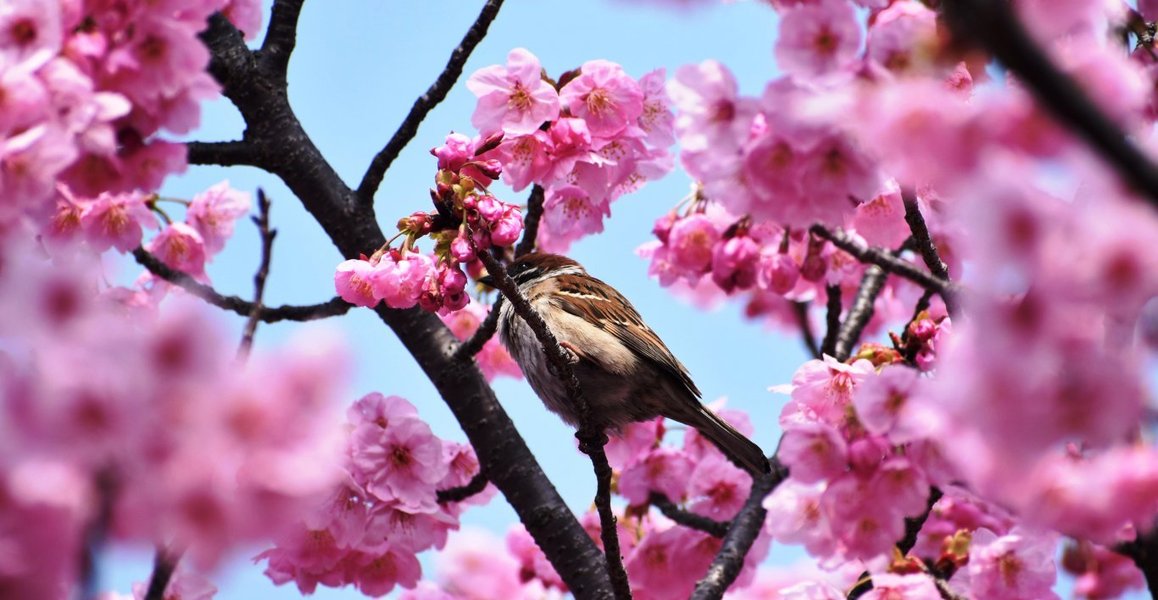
point(625, 371)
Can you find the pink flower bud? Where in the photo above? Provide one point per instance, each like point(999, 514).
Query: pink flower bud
point(778, 272)
point(489, 208)
point(865, 454)
point(734, 263)
point(508, 228)
point(460, 248)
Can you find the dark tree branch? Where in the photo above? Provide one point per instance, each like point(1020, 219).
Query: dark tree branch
point(908, 348)
point(310, 312)
point(687, 518)
point(924, 245)
point(834, 305)
point(426, 102)
point(993, 25)
point(860, 313)
point(227, 154)
point(745, 527)
point(1143, 550)
point(164, 564)
point(801, 310)
point(591, 435)
point(913, 525)
point(531, 221)
point(281, 37)
point(96, 532)
point(886, 260)
point(457, 494)
point(267, 235)
point(485, 331)
point(284, 149)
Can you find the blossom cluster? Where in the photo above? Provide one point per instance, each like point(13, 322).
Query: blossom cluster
point(468, 219)
point(86, 89)
point(588, 138)
point(144, 425)
point(385, 508)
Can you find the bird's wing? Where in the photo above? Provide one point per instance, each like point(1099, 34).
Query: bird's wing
point(589, 298)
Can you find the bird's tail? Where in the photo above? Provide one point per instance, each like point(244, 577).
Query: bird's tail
point(739, 449)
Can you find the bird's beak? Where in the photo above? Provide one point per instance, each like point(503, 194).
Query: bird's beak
point(487, 280)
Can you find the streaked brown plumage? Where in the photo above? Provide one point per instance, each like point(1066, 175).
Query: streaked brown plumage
point(626, 372)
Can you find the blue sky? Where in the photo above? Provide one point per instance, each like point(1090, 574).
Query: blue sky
point(358, 67)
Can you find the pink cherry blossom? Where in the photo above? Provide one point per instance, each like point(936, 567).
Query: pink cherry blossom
point(399, 277)
point(117, 220)
point(526, 159)
point(353, 281)
point(880, 401)
point(777, 272)
point(663, 469)
point(813, 452)
point(795, 516)
point(903, 37)
point(1016, 565)
point(470, 567)
point(889, 586)
point(30, 32)
point(513, 99)
point(657, 120)
point(213, 212)
point(734, 263)
point(603, 96)
point(401, 462)
point(571, 212)
point(818, 39)
point(718, 488)
point(691, 241)
point(180, 247)
point(881, 220)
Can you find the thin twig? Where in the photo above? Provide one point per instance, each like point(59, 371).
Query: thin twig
point(907, 348)
point(860, 313)
point(331, 308)
point(457, 494)
point(281, 37)
point(164, 564)
point(591, 438)
point(592, 444)
point(801, 310)
point(993, 25)
point(267, 235)
point(227, 154)
point(741, 535)
point(486, 330)
point(426, 102)
point(924, 245)
point(886, 260)
point(687, 518)
point(832, 319)
point(531, 221)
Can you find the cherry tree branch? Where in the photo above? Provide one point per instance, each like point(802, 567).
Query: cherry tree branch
point(924, 245)
point(426, 102)
point(591, 439)
point(993, 25)
point(531, 221)
point(809, 338)
point(885, 259)
point(228, 154)
point(477, 484)
point(164, 564)
point(687, 518)
point(1143, 550)
point(486, 330)
point(740, 537)
point(281, 37)
point(832, 319)
point(267, 235)
point(284, 149)
point(310, 312)
point(861, 312)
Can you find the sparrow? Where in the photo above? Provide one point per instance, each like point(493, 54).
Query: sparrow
point(626, 372)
